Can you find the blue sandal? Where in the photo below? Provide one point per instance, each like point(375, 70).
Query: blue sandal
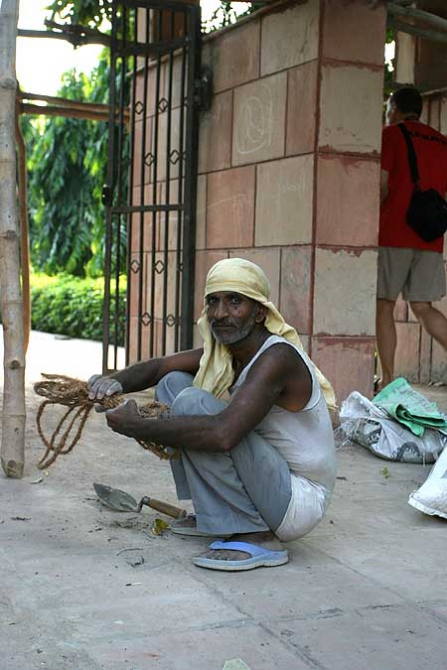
point(259, 557)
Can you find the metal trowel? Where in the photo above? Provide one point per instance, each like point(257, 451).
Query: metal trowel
point(120, 501)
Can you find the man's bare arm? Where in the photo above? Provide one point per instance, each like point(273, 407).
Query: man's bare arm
point(148, 373)
point(264, 387)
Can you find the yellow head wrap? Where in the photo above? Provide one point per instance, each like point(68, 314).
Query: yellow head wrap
point(241, 276)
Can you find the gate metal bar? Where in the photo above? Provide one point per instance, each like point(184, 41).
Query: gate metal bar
point(151, 41)
point(189, 238)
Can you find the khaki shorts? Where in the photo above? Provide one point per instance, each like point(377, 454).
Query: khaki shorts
point(418, 274)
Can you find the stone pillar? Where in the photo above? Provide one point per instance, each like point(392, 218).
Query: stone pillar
point(405, 60)
point(290, 155)
point(347, 177)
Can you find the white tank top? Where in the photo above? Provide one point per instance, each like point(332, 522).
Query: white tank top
point(305, 438)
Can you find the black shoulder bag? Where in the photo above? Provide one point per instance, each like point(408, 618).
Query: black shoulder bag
point(427, 213)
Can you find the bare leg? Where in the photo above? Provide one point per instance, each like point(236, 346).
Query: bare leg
point(386, 338)
point(433, 321)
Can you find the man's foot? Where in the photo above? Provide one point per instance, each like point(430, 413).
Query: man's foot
point(265, 539)
point(244, 552)
point(188, 526)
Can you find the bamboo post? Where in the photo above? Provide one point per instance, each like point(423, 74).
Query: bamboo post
point(24, 229)
point(12, 451)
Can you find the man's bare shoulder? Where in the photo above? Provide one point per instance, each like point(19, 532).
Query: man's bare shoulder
point(280, 369)
point(284, 357)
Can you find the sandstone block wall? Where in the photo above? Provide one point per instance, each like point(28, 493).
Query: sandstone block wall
point(289, 171)
point(296, 188)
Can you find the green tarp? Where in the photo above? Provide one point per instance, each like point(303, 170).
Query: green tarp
point(410, 407)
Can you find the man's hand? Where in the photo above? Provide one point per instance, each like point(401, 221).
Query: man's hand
point(124, 418)
point(100, 387)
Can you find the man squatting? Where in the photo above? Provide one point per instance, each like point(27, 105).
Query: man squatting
point(249, 416)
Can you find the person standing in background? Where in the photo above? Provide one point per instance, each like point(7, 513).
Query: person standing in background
point(407, 264)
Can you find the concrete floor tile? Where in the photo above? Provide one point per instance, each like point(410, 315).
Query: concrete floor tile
point(201, 649)
point(304, 591)
point(371, 638)
point(438, 610)
point(412, 570)
point(55, 657)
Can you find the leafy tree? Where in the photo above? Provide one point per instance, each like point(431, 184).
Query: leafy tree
point(90, 13)
point(67, 170)
point(226, 14)
point(93, 13)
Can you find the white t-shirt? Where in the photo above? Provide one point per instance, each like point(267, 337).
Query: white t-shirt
point(305, 439)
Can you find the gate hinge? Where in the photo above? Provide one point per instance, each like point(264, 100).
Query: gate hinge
point(203, 89)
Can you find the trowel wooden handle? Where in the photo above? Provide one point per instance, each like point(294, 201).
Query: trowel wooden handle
point(165, 508)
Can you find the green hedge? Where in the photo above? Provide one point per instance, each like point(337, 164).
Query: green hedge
point(70, 306)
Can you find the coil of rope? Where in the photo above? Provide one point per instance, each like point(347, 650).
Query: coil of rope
point(73, 394)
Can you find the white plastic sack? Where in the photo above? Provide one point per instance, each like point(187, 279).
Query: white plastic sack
point(431, 498)
point(366, 424)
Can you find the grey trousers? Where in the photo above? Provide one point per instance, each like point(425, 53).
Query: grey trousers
point(245, 490)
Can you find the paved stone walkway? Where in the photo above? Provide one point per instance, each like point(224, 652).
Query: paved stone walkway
point(84, 588)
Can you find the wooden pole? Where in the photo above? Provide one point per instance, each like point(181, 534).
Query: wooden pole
point(24, 229)
point(12, 451)
point(63, 102)
point(73, 113)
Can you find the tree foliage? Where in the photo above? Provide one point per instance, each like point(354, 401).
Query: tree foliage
point(72, 306)
point(90, 13)
point(93, 13)
point(66, 171)
point(226, 14)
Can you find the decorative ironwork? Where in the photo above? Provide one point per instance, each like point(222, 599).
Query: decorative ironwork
point(155, 209)
point(163, 105)
point(149, 159)
point(159, 267)
point(174, 157)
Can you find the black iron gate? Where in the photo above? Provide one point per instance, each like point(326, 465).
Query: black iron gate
point(152, 179)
